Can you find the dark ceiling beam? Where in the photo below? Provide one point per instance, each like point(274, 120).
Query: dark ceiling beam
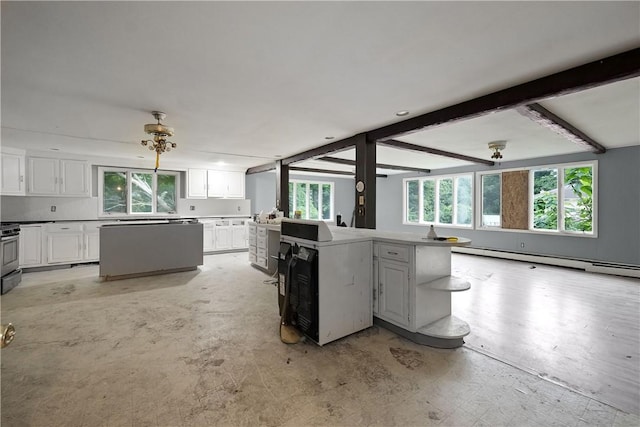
point(378, 165)
point(412, 147)
point(332, 172)
point(547, 119)
point(262, 168)
point(343, 144)
point(614, 68)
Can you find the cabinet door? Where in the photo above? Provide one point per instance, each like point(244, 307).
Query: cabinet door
point(223, 237)
point(197, 184)
point(63, 247)
point(43, 176)
point(216, 183)
point(393, 292)
point(92, 246)
point(239, 236)
point(235, 184)
point(12, 175)
point(30, 246)
point(209, 237)
point(375, 285)
point(74, 178)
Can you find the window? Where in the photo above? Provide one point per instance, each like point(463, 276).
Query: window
point(446, 200)
point(491, 200)
point(563, 198)
point(135, 192)
point(314, 200)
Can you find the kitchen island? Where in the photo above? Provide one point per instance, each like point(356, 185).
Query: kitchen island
point(157, 247)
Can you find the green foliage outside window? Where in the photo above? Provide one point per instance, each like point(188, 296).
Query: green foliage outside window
point(141, 192)
point(319, 200)
point(166, 193)
point(464, 207)
point(445, 187)
point(429, 200)
point(578, 206)
point(413, 198)
point(545, 199)
point(491, 194)
point(114, 199)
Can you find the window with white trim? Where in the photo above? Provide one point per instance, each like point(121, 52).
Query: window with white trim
point(137, 192)
point(443, 200)
point(314, 200)
point(562, 198)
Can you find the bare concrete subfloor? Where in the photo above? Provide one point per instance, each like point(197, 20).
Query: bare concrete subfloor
point(202, 348)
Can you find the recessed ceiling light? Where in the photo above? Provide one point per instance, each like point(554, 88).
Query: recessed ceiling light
point(140, 157)
point(402, 113)
point(220, 163)
point(54, 149)
point(328, 137)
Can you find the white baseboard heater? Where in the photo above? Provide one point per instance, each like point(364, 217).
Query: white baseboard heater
point(591, 266)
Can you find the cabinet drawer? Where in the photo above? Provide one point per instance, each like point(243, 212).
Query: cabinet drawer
point(221, 223)
point(252, 258)
point(397, 253)
point(262, 262)
point(262, 252)
point(238, 222)
point(261, 242)
point(252, 230)
point(262, 231)
point(72, 227)
point(252, 240)
point(252, 249)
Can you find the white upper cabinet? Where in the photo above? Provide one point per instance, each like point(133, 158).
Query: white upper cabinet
point(51, 177)
point(13, 176)
point(225, 184)
point(74, 178)
point(197, 184)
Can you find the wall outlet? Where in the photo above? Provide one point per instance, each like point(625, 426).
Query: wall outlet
point(239, 208)
point(522, 244)
point(192, 208)
point(53, 208)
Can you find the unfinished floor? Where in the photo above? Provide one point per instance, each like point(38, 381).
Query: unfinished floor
point(202, 348)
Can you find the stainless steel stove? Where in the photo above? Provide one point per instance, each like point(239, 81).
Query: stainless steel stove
point(10, 254)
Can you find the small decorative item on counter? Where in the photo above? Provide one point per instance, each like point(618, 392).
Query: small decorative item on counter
point(432, 233)
point(297, 215)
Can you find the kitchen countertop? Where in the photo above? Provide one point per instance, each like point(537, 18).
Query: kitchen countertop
point(139, 220)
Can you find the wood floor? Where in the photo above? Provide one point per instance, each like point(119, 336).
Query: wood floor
point(577, 329)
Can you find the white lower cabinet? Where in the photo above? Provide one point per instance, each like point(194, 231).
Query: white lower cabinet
point(393, 291)
point(30, 246)
point(72, 242)
point(224, 234)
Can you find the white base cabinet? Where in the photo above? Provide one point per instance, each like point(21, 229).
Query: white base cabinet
point(264, 244)
point(412, 293)
point(30, 246)
point(224, 234)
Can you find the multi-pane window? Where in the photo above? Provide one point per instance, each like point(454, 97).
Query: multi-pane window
point(314, 200)
point(446, 200)
point(133, 192)
point(563, 198)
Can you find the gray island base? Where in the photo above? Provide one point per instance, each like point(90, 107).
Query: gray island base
point(135, 250)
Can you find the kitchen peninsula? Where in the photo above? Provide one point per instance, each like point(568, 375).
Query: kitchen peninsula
point(156, 247)
point(411, 283)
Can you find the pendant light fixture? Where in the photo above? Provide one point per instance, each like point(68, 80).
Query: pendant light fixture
point(160, 133)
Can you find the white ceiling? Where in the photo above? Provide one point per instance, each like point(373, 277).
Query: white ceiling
point(246, 82)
